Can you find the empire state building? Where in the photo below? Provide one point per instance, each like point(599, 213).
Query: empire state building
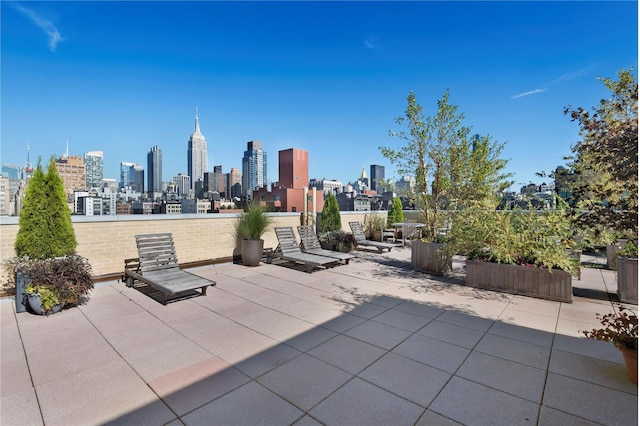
point(196, 155)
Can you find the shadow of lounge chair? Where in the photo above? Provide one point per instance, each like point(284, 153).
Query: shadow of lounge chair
point(289, 250)
point(311, 244)
point(361, 240)
point(157, 268)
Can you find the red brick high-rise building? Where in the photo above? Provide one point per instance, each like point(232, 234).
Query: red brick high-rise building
point(293, 168)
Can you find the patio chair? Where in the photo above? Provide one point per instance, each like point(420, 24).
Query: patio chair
point(361, 240)
point(157, 268)
point(310, 244)
point(289, 250)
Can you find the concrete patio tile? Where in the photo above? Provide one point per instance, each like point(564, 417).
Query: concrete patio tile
point(404, 377)
point(236, 343)
point(304, 381)
point(434, 419)
point(251, 404)
point(553, 417)
point(573, 328)
point(420, 309)
point(265, 321)
point(189, 388)
point(347, 353)
point(343, 323)
point(471, 403)
point(20, 407)
point(450, 333)
point(466, 320)
point(115, 326)
point(378, 334)
point(433, 352)
point(309, 311)
point(267, 360)
point(533, 305)
point(361, 403)
point(593, 402)
point(67, 319)
point(307, 421)
point(110, 306)
point(529, 320)
point(593, 370)
point(49, 360)
point(14, 372)
point(310, 338)
point(402, 320)
point(521, 333)
point(504, 375)
point(368, 310)
point(514, 350)
point(587, 347)
point(108, 392)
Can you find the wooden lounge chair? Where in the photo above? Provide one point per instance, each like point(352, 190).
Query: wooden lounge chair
point(289, 250)
point(157, 267)
point(310, 244)
point(361, 240)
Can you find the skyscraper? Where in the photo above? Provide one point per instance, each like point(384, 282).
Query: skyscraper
point(94, 166)
point(254, 168)
point(377, 176)
point(196, 155)
point(293, 168)
point(154, 170)
point(131, 176)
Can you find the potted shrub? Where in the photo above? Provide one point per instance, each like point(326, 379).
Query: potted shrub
point(330, 218)
point(375, 225)
point(627, 267)
point(521, 251)
point(451, 167)
point(54, 275)
point(337, 241)
point(621, 329)
point(251, 226)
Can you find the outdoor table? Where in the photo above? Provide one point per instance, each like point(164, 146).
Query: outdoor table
point(406, 228)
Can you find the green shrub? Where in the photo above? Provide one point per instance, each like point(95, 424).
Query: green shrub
point(395, 213)
point(253, 223)
point(330, 218)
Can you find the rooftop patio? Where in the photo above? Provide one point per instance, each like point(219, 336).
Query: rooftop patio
point(369, 343)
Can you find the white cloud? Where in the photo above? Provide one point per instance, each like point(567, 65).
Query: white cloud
point(531, 92)
point(44, 24)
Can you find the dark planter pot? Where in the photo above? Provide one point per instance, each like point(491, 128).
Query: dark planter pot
point(252, 252)
point(631, 362)
point(627, 280)
point(36, 305)
point(524, 280)
point(426, 257)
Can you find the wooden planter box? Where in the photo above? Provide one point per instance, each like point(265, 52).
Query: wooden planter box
point(527, 281)
point(628, 280)
point(425, 257)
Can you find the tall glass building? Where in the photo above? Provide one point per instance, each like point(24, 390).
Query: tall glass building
point(94, 167)
point(154, 170)
point(254, 168)
point(377, 176)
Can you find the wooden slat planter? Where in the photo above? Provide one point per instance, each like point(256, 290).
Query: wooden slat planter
point(527, 281)
point(425, 258)
point(627, 280)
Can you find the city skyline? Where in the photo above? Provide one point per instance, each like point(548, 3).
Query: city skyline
point(328, 78)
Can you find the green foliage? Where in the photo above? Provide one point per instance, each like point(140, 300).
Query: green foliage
point(395, 212)
point(375, 222)
point(330, 219)
point(520, 237)
point(630, 250)
point(337, 241)
point(441, 156)
point(620, 328)
point(253, 223)
point(60, 281)
point(604, 165)
point(45, 220)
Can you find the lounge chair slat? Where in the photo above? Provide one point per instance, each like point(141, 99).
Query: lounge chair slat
point(361, 240)
point(288, 249)
point(311, 244)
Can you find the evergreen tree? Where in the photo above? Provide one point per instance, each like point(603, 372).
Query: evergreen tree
point(45, 220)
point(330, 219)
point(395, 213)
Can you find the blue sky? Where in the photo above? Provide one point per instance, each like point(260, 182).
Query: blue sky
point(327, 77)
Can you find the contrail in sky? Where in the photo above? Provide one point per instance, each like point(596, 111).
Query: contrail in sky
point(44, 24)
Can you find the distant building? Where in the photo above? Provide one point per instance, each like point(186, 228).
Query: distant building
point(233, 184)
point(5, 197)
point(183, 184)
point(377, 176)
point(196, 155)
point(350, 201)
point(73, 173)
point(10, 171)
point(154, 171)
point(293, 168)
point(364, 179)
point(254, 168)
point(406, 184)
point(94, 165)
point(326, 186)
